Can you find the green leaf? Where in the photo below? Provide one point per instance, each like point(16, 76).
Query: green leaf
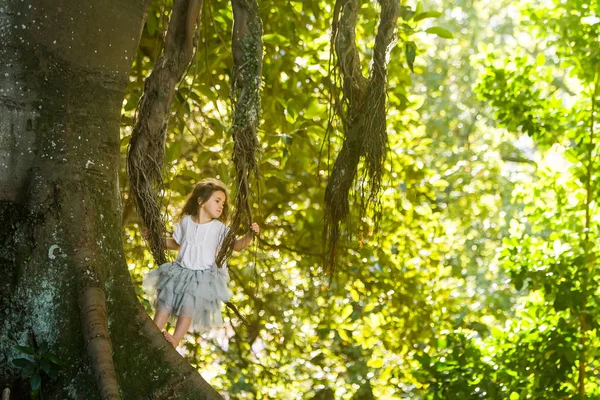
point(292, 109)
point(410, 49)
point(36, 381)
point(151, 23)
point(427, 14)
point(27, 371)
point(192, 174)
point(22, 362)
point(518, 281)
point(424, 359)
point(561, 302)
point(290, 117)
point(347, 311)
point(25, 350)
point(53, 359)
point(281, 101)
point(540, 60)
point(441, 32)
point(375, 363)
point(174, 150)
point(275, 38)
point(442, 343)
point(45, 365)
point(419, 9)
point(43, 348)
point(315, 110)
point(571, 355)
point(344, 334)
point(286, 139)
point(406, 13)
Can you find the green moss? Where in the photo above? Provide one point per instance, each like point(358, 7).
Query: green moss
point(248, 79)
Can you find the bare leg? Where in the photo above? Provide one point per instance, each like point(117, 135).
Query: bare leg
point(169, 338)
point(160, 319)
point(181, 328)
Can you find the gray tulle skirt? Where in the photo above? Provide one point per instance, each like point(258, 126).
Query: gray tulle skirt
point(198, 294)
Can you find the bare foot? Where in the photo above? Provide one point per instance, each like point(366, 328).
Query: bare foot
point(169, 338)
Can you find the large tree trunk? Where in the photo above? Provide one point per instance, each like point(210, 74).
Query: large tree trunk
point(63, 73)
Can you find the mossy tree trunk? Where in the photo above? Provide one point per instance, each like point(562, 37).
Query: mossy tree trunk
point(64, 281)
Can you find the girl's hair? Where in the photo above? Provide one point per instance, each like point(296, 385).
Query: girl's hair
point(203, 190)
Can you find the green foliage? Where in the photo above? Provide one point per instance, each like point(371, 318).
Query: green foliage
point(547, 349)
point(37, 363)
point(514, 90)
point(481, 280)
point(459, 370)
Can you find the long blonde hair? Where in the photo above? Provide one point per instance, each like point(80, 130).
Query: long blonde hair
point(202, 191)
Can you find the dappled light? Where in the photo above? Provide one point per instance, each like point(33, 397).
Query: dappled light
point(402, 197)
point(443, 280)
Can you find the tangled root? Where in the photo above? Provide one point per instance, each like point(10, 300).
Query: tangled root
point(244, 95)
point(363, 113)
point(146, 148)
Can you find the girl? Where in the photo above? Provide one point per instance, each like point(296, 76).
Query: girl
point(193, 287)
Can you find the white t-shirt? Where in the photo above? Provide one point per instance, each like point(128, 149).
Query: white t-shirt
point(199, 243)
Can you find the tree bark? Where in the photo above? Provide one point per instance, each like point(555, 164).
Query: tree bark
point(63, 76)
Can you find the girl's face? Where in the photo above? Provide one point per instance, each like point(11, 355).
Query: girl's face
point(214, 205)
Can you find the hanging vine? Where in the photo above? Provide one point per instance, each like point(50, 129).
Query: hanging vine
point(247, 51)
point(362, 110)
point(146, 148)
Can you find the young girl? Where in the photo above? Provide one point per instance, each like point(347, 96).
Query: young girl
point(193, 287)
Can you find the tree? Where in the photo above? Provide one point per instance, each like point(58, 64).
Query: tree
point(66, 290)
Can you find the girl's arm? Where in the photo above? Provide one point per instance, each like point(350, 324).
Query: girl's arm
point(171, 244)
point(243, 242)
